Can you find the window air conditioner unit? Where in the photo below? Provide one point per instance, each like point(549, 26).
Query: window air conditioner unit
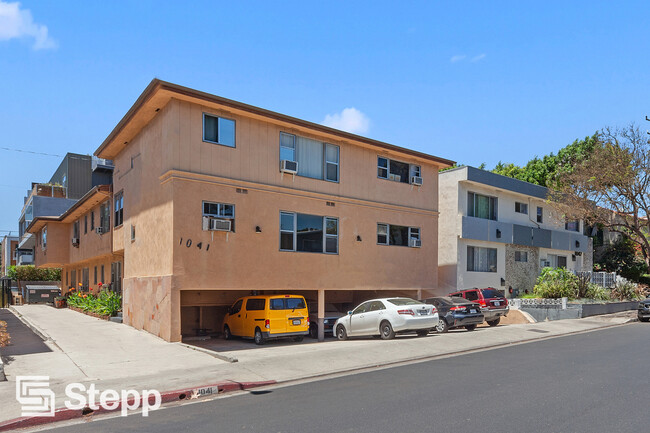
point(99, 230)
point(220, 225)
point(287, 166)
point(75, 242)
point(416, 180)
point(395, 177)
point(415, 243)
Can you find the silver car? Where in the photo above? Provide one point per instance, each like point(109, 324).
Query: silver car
point(386, 317)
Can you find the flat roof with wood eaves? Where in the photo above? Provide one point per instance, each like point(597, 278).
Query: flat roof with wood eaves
point(158, 93)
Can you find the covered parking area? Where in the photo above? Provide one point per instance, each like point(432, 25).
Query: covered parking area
point(203, 311)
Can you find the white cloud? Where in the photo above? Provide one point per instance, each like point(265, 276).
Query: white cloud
point(457, 58)
point(479, 57)
point(18, 23)
point(350, 120)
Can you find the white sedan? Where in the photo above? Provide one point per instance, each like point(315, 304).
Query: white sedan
point(386, 317)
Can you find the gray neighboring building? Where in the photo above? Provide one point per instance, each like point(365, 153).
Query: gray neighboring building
point(76, 175)
point(495, 231)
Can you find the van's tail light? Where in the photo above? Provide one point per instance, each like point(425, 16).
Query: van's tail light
point(308, 321)
point(483, 304)
point(407, 312)
point(267, 323)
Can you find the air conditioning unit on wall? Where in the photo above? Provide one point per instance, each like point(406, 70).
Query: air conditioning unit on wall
point(75, 242)
point(415, 243)
point(99, 230)
point(287, 166)
point(220, 225)
point(416, 180)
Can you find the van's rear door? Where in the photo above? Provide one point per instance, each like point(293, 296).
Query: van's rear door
point(277, 316)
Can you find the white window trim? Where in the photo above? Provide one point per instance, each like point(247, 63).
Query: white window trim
point(325, 161)
point(414, 169)
point(216, 142)
point(219, 207)
point(520, 205)
point(294, 232)
point(413, 233)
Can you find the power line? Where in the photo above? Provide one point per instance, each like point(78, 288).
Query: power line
point(30, 151)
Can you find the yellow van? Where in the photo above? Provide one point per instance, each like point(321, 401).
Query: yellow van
point(267, 316)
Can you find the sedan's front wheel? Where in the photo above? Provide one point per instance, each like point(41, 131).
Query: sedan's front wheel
point(386, 331)
point(340, 333)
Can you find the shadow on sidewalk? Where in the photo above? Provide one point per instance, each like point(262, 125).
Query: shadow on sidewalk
point(23, 340)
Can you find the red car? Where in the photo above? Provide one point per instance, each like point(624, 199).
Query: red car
point(493, 303)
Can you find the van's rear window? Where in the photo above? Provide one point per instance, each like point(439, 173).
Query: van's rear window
point(287, 303)
point(255, 304)
point(491, 293)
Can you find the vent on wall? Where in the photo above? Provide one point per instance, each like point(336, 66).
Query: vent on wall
point(242, 191)
point(331, 203)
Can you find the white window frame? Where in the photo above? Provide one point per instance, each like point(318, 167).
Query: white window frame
point(540, 215)
point(293, 149)
point(325, 160)
point(493, 199)
point(413, 233)
point(234, 138)
point(521, 206)
point(220, 210)
point(496, 255)
point(414, 169)
point(294, 233)
point(119, 198)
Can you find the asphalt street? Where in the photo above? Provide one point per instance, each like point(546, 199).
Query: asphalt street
point(591, 382)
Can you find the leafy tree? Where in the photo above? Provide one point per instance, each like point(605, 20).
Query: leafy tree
point(546, 171)
point(610, 187)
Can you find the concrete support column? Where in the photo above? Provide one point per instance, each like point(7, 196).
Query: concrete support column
point(321, 315)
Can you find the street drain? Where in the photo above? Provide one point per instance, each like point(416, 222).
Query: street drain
point(541, 331)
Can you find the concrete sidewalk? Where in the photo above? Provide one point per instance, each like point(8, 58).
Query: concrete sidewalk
point(116, 356)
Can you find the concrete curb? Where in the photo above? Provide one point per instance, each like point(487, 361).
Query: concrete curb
point(66, 414)
point(209, 352)
point(38, 331)
point(2, 371)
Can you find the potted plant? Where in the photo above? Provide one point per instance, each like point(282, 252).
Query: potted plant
point(60, 302)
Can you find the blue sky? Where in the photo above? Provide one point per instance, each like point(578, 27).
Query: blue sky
point(468, 81)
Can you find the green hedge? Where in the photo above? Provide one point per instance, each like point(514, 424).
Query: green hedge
point(31, 273)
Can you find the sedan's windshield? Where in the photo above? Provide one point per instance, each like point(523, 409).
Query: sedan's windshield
point(404, 301)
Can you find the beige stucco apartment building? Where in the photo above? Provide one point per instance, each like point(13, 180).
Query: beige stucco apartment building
point(80, 242)
point(205, 211)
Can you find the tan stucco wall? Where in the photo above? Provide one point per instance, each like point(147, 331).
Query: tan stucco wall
point(90, 264)
point(57, 251)
point(91, 244)
point(166, 172)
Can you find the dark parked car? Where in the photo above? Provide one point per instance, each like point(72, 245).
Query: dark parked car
point(643, 312)
point(493, 303)
point(331, 314)
point(455, 312)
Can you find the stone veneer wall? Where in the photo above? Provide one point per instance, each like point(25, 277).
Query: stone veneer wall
point(147, 305)
point(521, 275)
point(588, 257)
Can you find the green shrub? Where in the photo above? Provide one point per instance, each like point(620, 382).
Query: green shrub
point(596, 292)
point(627, 290)
point(106, 303)
point(556, 283)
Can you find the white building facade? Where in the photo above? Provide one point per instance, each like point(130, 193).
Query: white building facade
point(500, 232)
